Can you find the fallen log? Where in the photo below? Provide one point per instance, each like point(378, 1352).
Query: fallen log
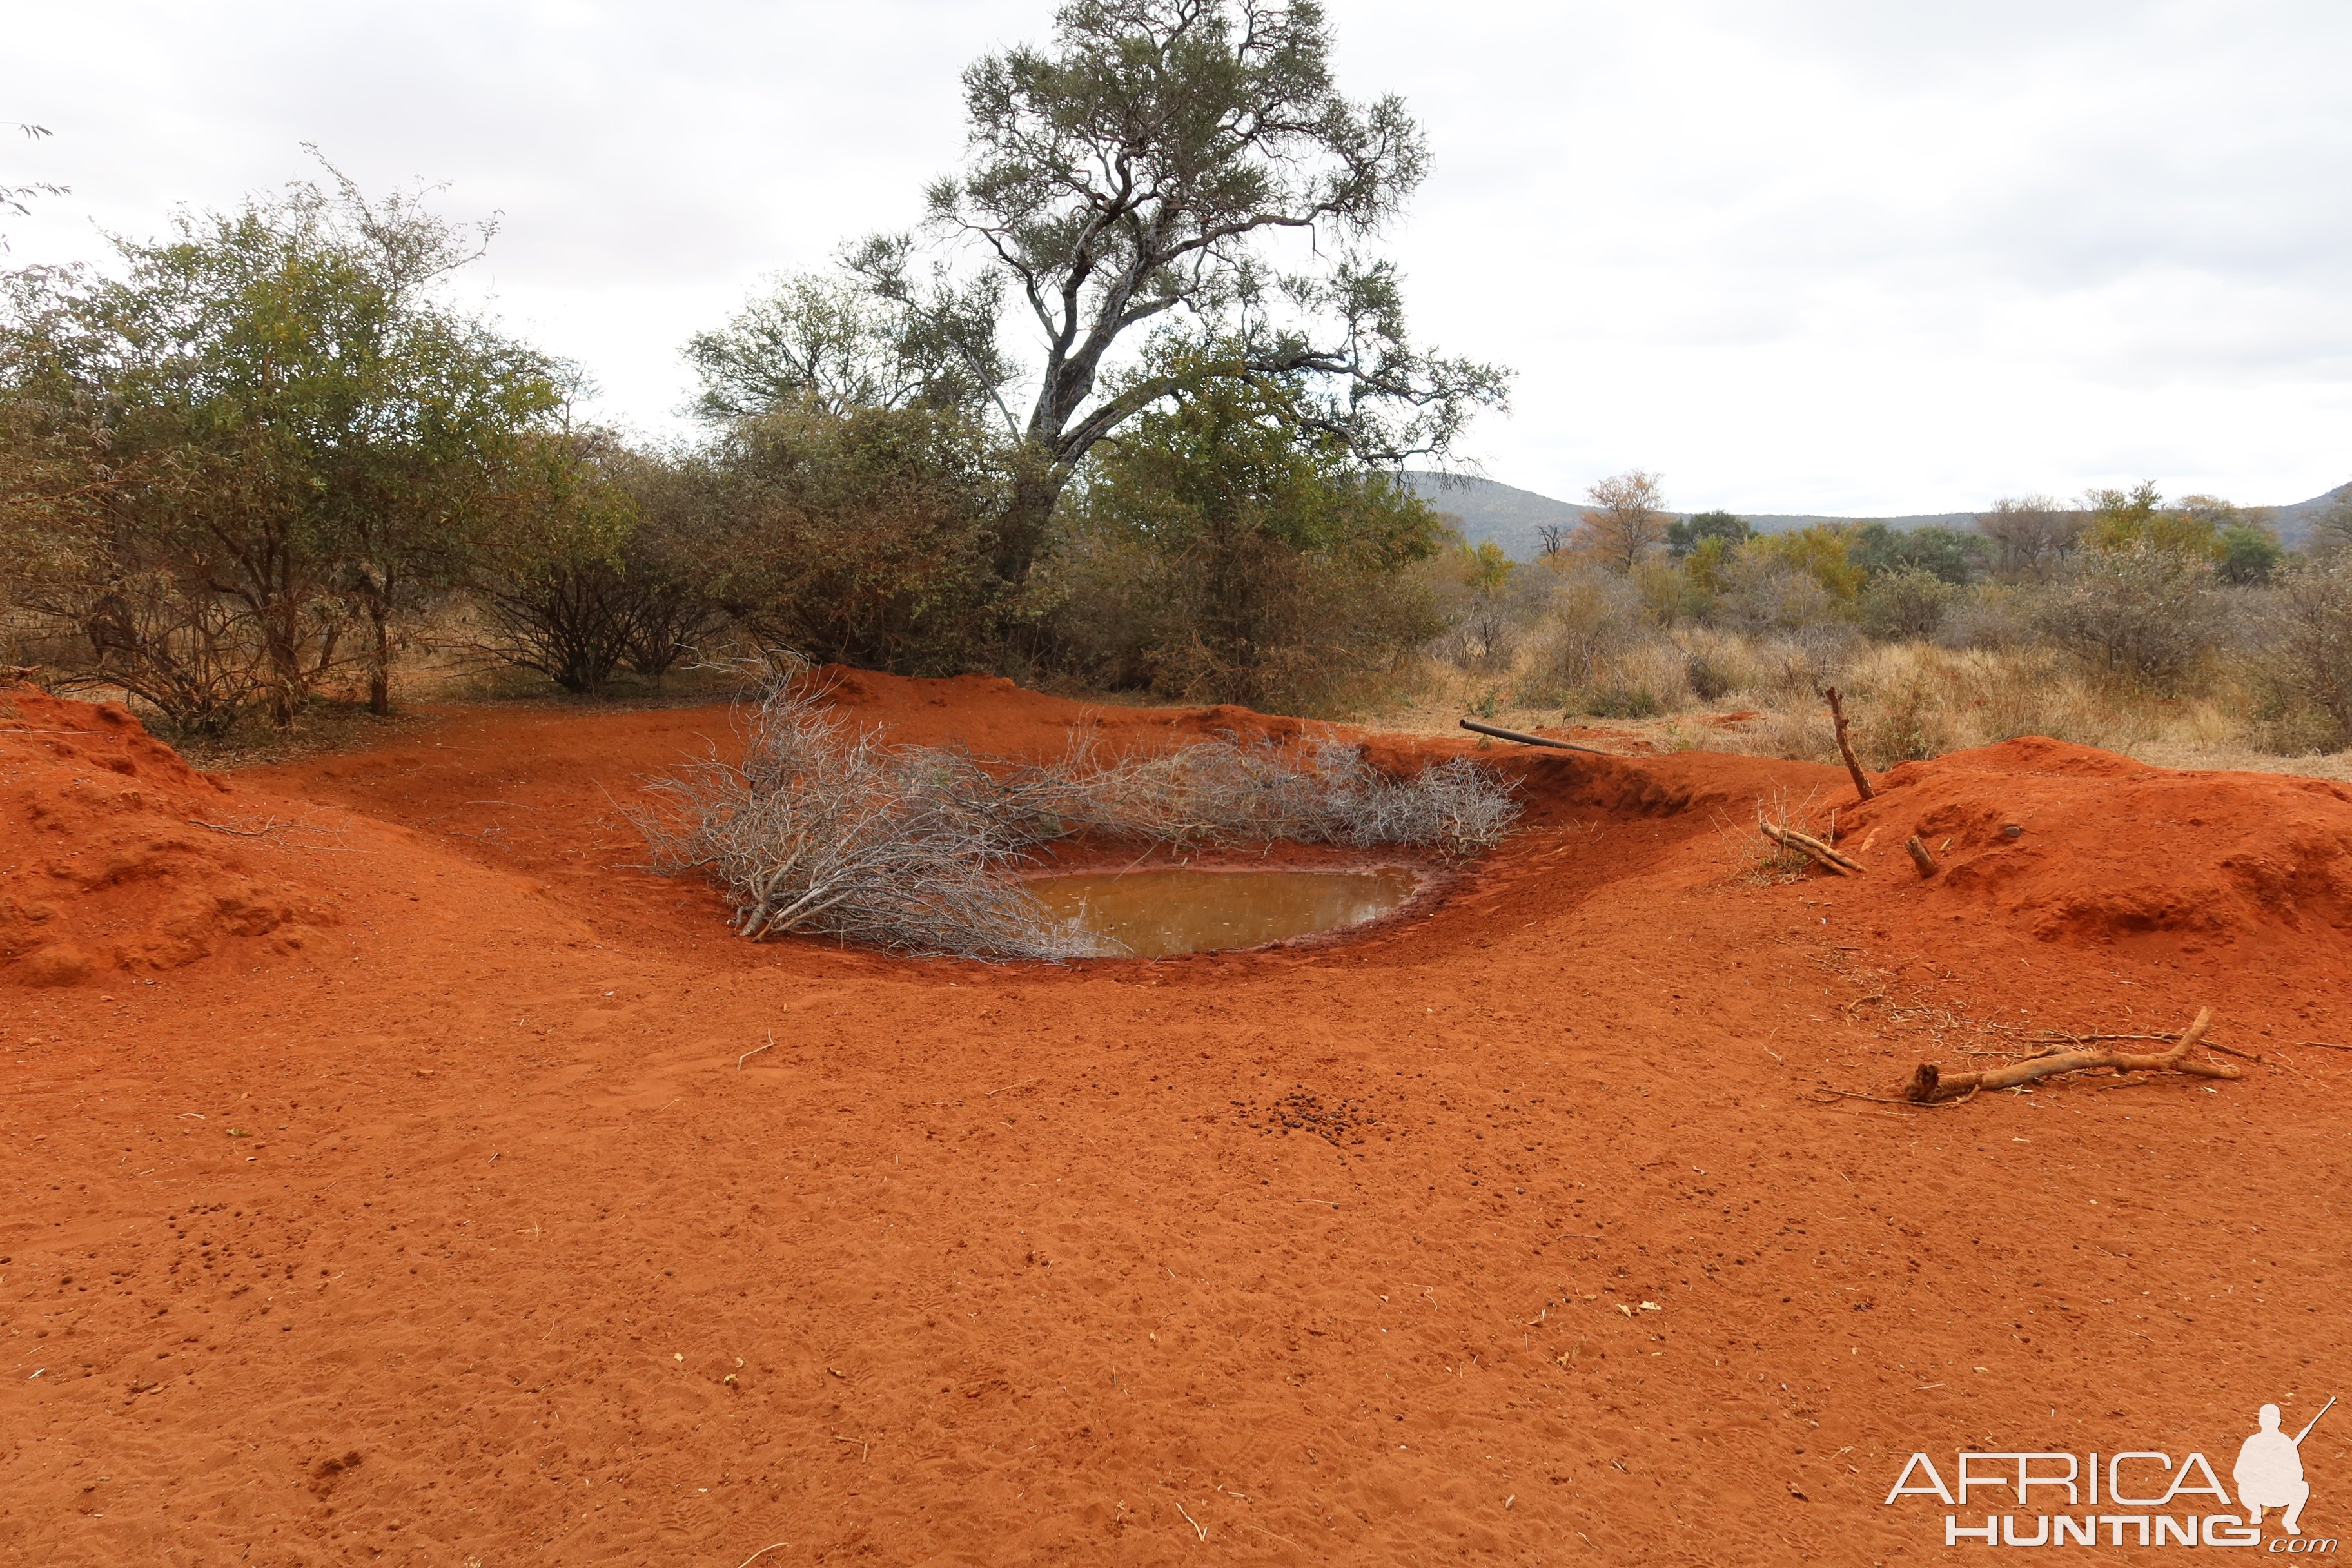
point(1930, 1085)
point(1806, 844)
point(1845, 747)
point(1502, 734)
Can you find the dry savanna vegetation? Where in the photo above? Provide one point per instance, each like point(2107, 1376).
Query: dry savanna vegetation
point(2181, 633)
point(270, 467)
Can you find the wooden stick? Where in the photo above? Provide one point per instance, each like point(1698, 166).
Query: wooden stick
point(1806, 844)
point(1845, 747)
point(1927, 1085)
point(1921, 857)
point(1502, 734)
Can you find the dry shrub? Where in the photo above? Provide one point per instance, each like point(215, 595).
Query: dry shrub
point(1905, 603)
point(1991, 616)
point(1764, 594)
point(1913, 700)
point(1222, 791)
point(2305, 667)
point(1718, 665)
point(823, 828)
point(2138, 613)
point(1643, 683)
point(1312, 633)
point(1595, 619)
point(1797, 666)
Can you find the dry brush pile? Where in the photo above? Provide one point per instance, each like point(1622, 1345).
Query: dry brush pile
point(825, 828)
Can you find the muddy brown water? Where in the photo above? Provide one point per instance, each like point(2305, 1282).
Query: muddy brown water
point(1153, 914)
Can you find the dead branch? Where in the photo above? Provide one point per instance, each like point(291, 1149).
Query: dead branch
point(1806, 844)
point(1880, 1100)
point(1928, 1085)
point(1845, 747)
point(269, 824)
point(825, 828)
point(1502, 734)
point(1921, 857)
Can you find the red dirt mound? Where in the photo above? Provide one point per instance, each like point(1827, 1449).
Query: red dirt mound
point(532, 1218)
point(2106, 849)
point(116, 855)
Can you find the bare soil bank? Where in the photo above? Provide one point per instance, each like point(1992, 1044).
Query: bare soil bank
point(396, 1188)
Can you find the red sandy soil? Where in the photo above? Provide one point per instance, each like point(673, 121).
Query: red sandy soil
point(396, 1186)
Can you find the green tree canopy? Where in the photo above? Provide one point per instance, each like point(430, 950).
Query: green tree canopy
point(1950, 554)
point(282, 407)
point(1687, 534)
point(1182, 172)
point(1265, 556)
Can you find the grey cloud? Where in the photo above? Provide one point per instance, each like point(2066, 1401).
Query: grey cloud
point(1714, 235)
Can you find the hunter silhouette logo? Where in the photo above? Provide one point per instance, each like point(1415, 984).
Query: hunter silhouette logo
point(2269, 1471)
point(2162, 1498)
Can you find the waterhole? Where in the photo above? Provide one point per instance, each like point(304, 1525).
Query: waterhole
point(1151, 915)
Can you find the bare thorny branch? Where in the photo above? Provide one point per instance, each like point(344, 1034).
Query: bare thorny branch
point(823, 828)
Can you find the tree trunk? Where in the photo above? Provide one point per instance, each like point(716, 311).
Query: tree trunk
point(1037, 489)
point(284, 647)
point(380, 657)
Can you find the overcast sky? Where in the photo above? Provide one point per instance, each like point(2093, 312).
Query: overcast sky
point(1861, 259)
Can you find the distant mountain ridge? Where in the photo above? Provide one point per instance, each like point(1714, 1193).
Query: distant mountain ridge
point(1510, 517)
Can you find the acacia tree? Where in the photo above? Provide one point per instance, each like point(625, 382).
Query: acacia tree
point(1627, 522)
point(1178, 170)
point(2032, 536)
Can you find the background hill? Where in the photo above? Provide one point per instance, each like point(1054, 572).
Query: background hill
point(1510, 517)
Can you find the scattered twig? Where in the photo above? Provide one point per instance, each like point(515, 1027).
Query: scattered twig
point(1876, 1099)
point(1502, 734)
point(52, 732)
point(1246, 1524)
point(2322, 1046)
point(864, 1447)
point(992, 1093)
point(755, 1051)
point(1324, 1201)
point(762, 1553)
point(1199, 1528)
point(268, 824)
point(1806, 844)
point(1928, 1086)
point(1845, 747)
